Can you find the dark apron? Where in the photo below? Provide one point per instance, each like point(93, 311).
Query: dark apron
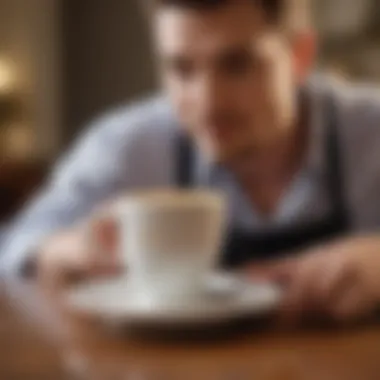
point(242, 246)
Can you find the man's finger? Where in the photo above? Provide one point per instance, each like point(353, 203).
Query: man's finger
point(279, 270)
point(331, 274)
point(299, 294)
point(336, 277)
point(353, 303)
point(105, 232)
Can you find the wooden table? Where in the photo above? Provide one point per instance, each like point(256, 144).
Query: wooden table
point(38, 340)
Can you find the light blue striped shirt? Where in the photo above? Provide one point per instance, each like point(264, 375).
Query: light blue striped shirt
point(133, 148)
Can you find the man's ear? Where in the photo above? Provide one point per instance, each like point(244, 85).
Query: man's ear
point(304, 53)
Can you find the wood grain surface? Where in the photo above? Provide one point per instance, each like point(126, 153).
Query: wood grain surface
point(41, 340)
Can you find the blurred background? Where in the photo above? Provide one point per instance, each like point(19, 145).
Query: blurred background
point(63, 62)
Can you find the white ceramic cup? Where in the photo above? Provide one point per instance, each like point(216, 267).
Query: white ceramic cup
point(169, 240)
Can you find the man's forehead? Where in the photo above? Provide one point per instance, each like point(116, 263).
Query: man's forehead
point(236, 22)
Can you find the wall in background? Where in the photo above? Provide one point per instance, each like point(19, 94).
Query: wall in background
point(75, 59)
point(107, 58)
point(350, 33)
point(30, 43)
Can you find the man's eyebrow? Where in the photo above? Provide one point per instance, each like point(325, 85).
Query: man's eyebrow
point(238, 51)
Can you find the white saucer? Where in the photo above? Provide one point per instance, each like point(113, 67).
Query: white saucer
point(226, 297)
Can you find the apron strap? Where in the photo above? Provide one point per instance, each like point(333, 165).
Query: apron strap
point(184, 161)
point(334, 170)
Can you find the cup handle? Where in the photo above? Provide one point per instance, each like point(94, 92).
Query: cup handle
point(104, 231)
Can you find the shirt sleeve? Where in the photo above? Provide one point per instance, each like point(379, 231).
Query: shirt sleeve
point(90, 173)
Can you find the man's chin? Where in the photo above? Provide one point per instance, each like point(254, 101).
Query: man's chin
point(223, 154)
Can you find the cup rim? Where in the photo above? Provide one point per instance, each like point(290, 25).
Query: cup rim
point(172, 199)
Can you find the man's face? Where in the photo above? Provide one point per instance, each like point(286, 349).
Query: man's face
point(229, 75)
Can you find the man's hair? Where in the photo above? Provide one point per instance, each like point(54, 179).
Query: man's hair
point(288, 13)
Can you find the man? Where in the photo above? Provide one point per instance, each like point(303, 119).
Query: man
point(295, 154)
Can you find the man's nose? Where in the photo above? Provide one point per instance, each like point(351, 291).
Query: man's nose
point(211, 93)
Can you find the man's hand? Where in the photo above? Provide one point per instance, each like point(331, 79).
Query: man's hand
point(88, 249)
point(339, 280)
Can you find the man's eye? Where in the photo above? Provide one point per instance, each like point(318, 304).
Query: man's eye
point(237, 65)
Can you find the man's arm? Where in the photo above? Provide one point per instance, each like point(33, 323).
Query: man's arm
point(91, 173)
point(341, 278)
